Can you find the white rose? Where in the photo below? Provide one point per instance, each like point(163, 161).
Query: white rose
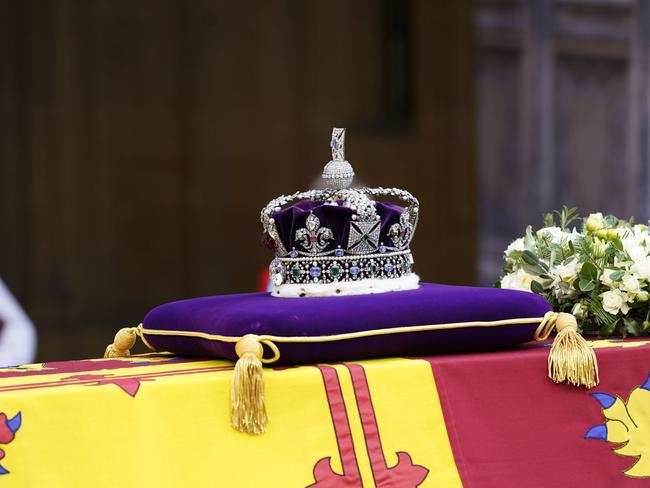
point(642, 296)
point(518, 280)
point(614, 301)
point(641, 267)
point(595, 222)
point(625, 308)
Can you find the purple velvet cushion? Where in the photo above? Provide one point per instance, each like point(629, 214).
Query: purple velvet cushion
point(262, 314)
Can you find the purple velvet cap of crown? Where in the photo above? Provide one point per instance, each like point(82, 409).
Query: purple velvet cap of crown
point(260, 313)
point(335, 217)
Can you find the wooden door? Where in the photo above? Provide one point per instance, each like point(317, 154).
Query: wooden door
point(562, 113)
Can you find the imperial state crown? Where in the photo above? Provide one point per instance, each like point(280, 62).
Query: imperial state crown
point(339, 240)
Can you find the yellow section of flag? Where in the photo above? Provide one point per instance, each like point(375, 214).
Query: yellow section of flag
point(156, 420)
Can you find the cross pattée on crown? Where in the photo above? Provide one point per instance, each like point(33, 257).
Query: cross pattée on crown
point(338, 144)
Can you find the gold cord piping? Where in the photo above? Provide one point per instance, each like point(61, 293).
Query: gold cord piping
point(269, 340)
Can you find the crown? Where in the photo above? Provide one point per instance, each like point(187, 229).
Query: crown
point(339, 240)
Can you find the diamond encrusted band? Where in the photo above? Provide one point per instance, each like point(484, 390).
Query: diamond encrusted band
point(332, 269)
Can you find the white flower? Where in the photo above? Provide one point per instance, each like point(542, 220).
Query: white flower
point(634, 245)
point(515, 246)
point(580, 311)
point(566, 272)
point(618, 246)
point(518, 280)
point(563, 277)
point(630, 284)
point(641, 267)
point(595, 222)
point(615, 301)
point(575, 234)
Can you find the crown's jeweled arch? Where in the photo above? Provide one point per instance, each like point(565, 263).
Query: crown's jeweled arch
point(314, 256)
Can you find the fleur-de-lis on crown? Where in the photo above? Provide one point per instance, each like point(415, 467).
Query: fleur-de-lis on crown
point(314, 236)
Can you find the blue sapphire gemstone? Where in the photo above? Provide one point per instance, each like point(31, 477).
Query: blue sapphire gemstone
point(338, 252)
point(293, 253)
point(354, 270)
point(314, 271)
point(388, 267)
point(382, 249)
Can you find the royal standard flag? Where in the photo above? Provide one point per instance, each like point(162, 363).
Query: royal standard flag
point(476, 420)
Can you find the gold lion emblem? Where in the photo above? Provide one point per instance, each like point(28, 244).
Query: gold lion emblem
point(627, 424)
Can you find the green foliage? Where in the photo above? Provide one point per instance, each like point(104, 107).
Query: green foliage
point(536, 287)
point(587, 270)
point(567, 216)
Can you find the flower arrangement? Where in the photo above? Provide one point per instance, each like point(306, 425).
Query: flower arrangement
point(597, 268)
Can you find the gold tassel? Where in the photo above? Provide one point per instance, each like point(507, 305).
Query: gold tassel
point(122, 344)
point(247, 387)
point(571, 359)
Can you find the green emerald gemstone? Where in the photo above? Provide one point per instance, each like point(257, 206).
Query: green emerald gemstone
point(296, 272)
point(373, 268)
point(336, 271)
point(365, 238)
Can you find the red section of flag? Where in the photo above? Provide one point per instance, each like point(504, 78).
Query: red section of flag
point(324, 475)
point(511, 426)
point(405, 474)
